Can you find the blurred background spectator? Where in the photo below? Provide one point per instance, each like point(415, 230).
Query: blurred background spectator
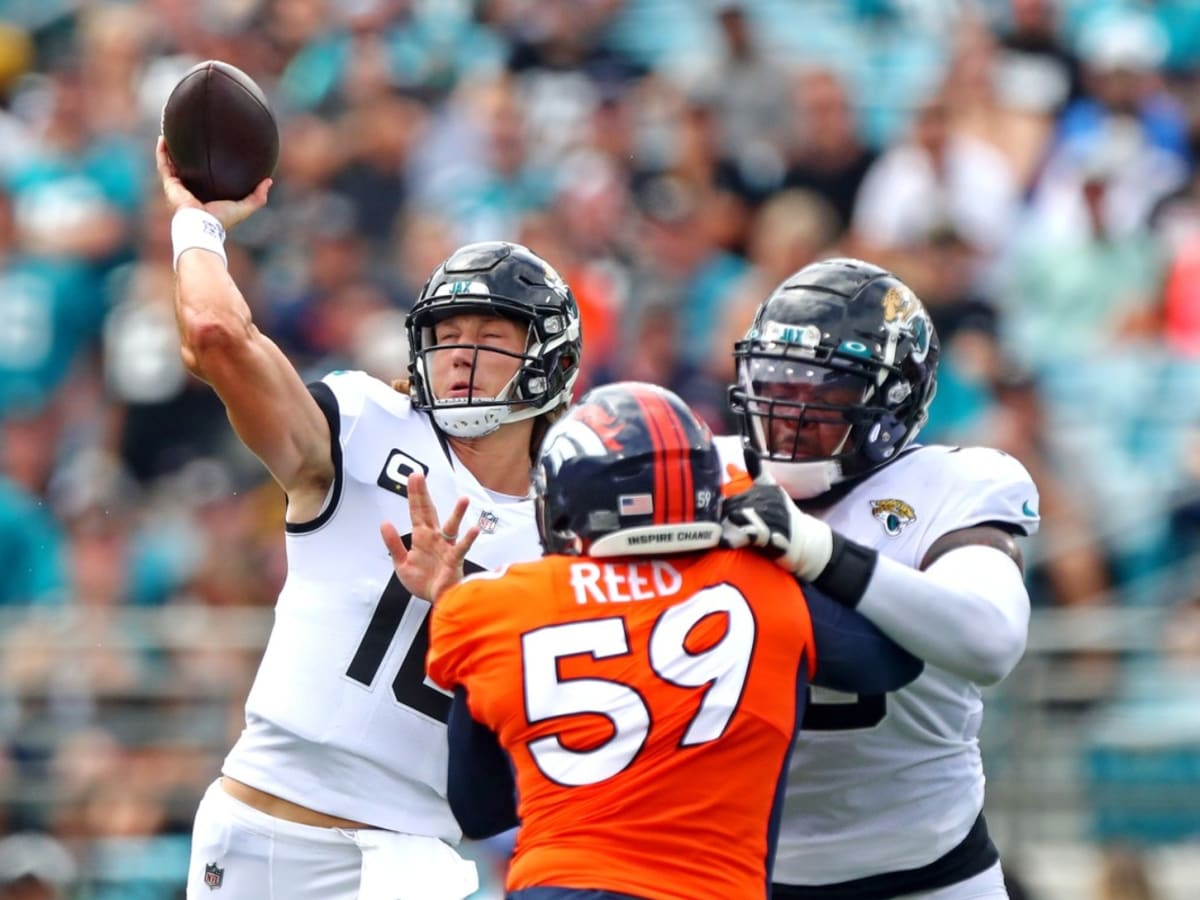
point(1029, 166)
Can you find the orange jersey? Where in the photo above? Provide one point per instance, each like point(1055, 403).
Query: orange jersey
point(648, 706)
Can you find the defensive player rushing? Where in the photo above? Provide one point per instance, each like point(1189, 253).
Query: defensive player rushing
point(645, 687)
point(336, 787)
point(885, 794)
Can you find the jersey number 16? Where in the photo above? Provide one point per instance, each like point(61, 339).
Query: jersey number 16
point(409, 687)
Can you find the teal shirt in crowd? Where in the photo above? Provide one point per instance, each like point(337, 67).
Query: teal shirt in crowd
point(32, 552)
point(50, 311)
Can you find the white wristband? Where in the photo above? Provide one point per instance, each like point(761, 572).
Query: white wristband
point(811, 546)
point(193, 228)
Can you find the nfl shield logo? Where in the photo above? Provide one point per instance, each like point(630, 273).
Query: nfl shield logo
point(487, 522)
point(213, 876)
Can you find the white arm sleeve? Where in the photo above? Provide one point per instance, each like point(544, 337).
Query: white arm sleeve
point(968, 613)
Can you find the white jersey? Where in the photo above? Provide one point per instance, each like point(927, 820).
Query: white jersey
point(893, 782)
point(341, 717)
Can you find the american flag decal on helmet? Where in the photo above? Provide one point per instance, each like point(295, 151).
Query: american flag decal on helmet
point(635, 504)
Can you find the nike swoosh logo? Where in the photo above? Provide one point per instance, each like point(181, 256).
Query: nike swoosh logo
point(1032, 513)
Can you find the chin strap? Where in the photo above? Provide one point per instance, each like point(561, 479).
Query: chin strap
point(470, 421)
point(803, 480)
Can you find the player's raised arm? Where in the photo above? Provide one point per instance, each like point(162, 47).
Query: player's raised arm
point(266, 400)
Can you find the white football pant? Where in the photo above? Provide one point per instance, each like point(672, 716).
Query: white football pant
point(240, 853)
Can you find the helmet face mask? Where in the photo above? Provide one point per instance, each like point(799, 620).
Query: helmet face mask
point(801, 411)
point(507, 280)
point(476, 411)
point(629, 470)
point(835, 375)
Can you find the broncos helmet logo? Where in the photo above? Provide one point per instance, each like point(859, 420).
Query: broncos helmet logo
point(604, 422)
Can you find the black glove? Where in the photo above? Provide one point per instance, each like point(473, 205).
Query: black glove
point(765, 517)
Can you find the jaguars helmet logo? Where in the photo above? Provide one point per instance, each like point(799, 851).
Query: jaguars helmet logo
point(555, 281)
point(899, 304)
point(893, 515)
point(903, 313)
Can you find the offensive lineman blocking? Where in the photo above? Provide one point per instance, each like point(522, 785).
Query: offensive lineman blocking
point(884, 798)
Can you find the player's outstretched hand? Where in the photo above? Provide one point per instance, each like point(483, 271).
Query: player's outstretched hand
point(764, 517)
point(227, 212)
point(432, 562)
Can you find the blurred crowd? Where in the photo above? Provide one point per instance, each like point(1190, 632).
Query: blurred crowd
point(1029, 167)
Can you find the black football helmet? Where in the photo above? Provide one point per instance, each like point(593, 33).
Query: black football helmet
point(498, 278)
point(629, 470)
point(841, 344)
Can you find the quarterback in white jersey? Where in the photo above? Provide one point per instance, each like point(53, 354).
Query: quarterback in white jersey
point(336, 788)
point(884, 795)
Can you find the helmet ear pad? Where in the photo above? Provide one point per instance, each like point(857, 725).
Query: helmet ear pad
point(886, 434)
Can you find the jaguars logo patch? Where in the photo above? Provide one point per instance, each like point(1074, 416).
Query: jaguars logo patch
point(893, 515)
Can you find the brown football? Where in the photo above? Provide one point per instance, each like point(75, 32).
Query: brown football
point(220, 132)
